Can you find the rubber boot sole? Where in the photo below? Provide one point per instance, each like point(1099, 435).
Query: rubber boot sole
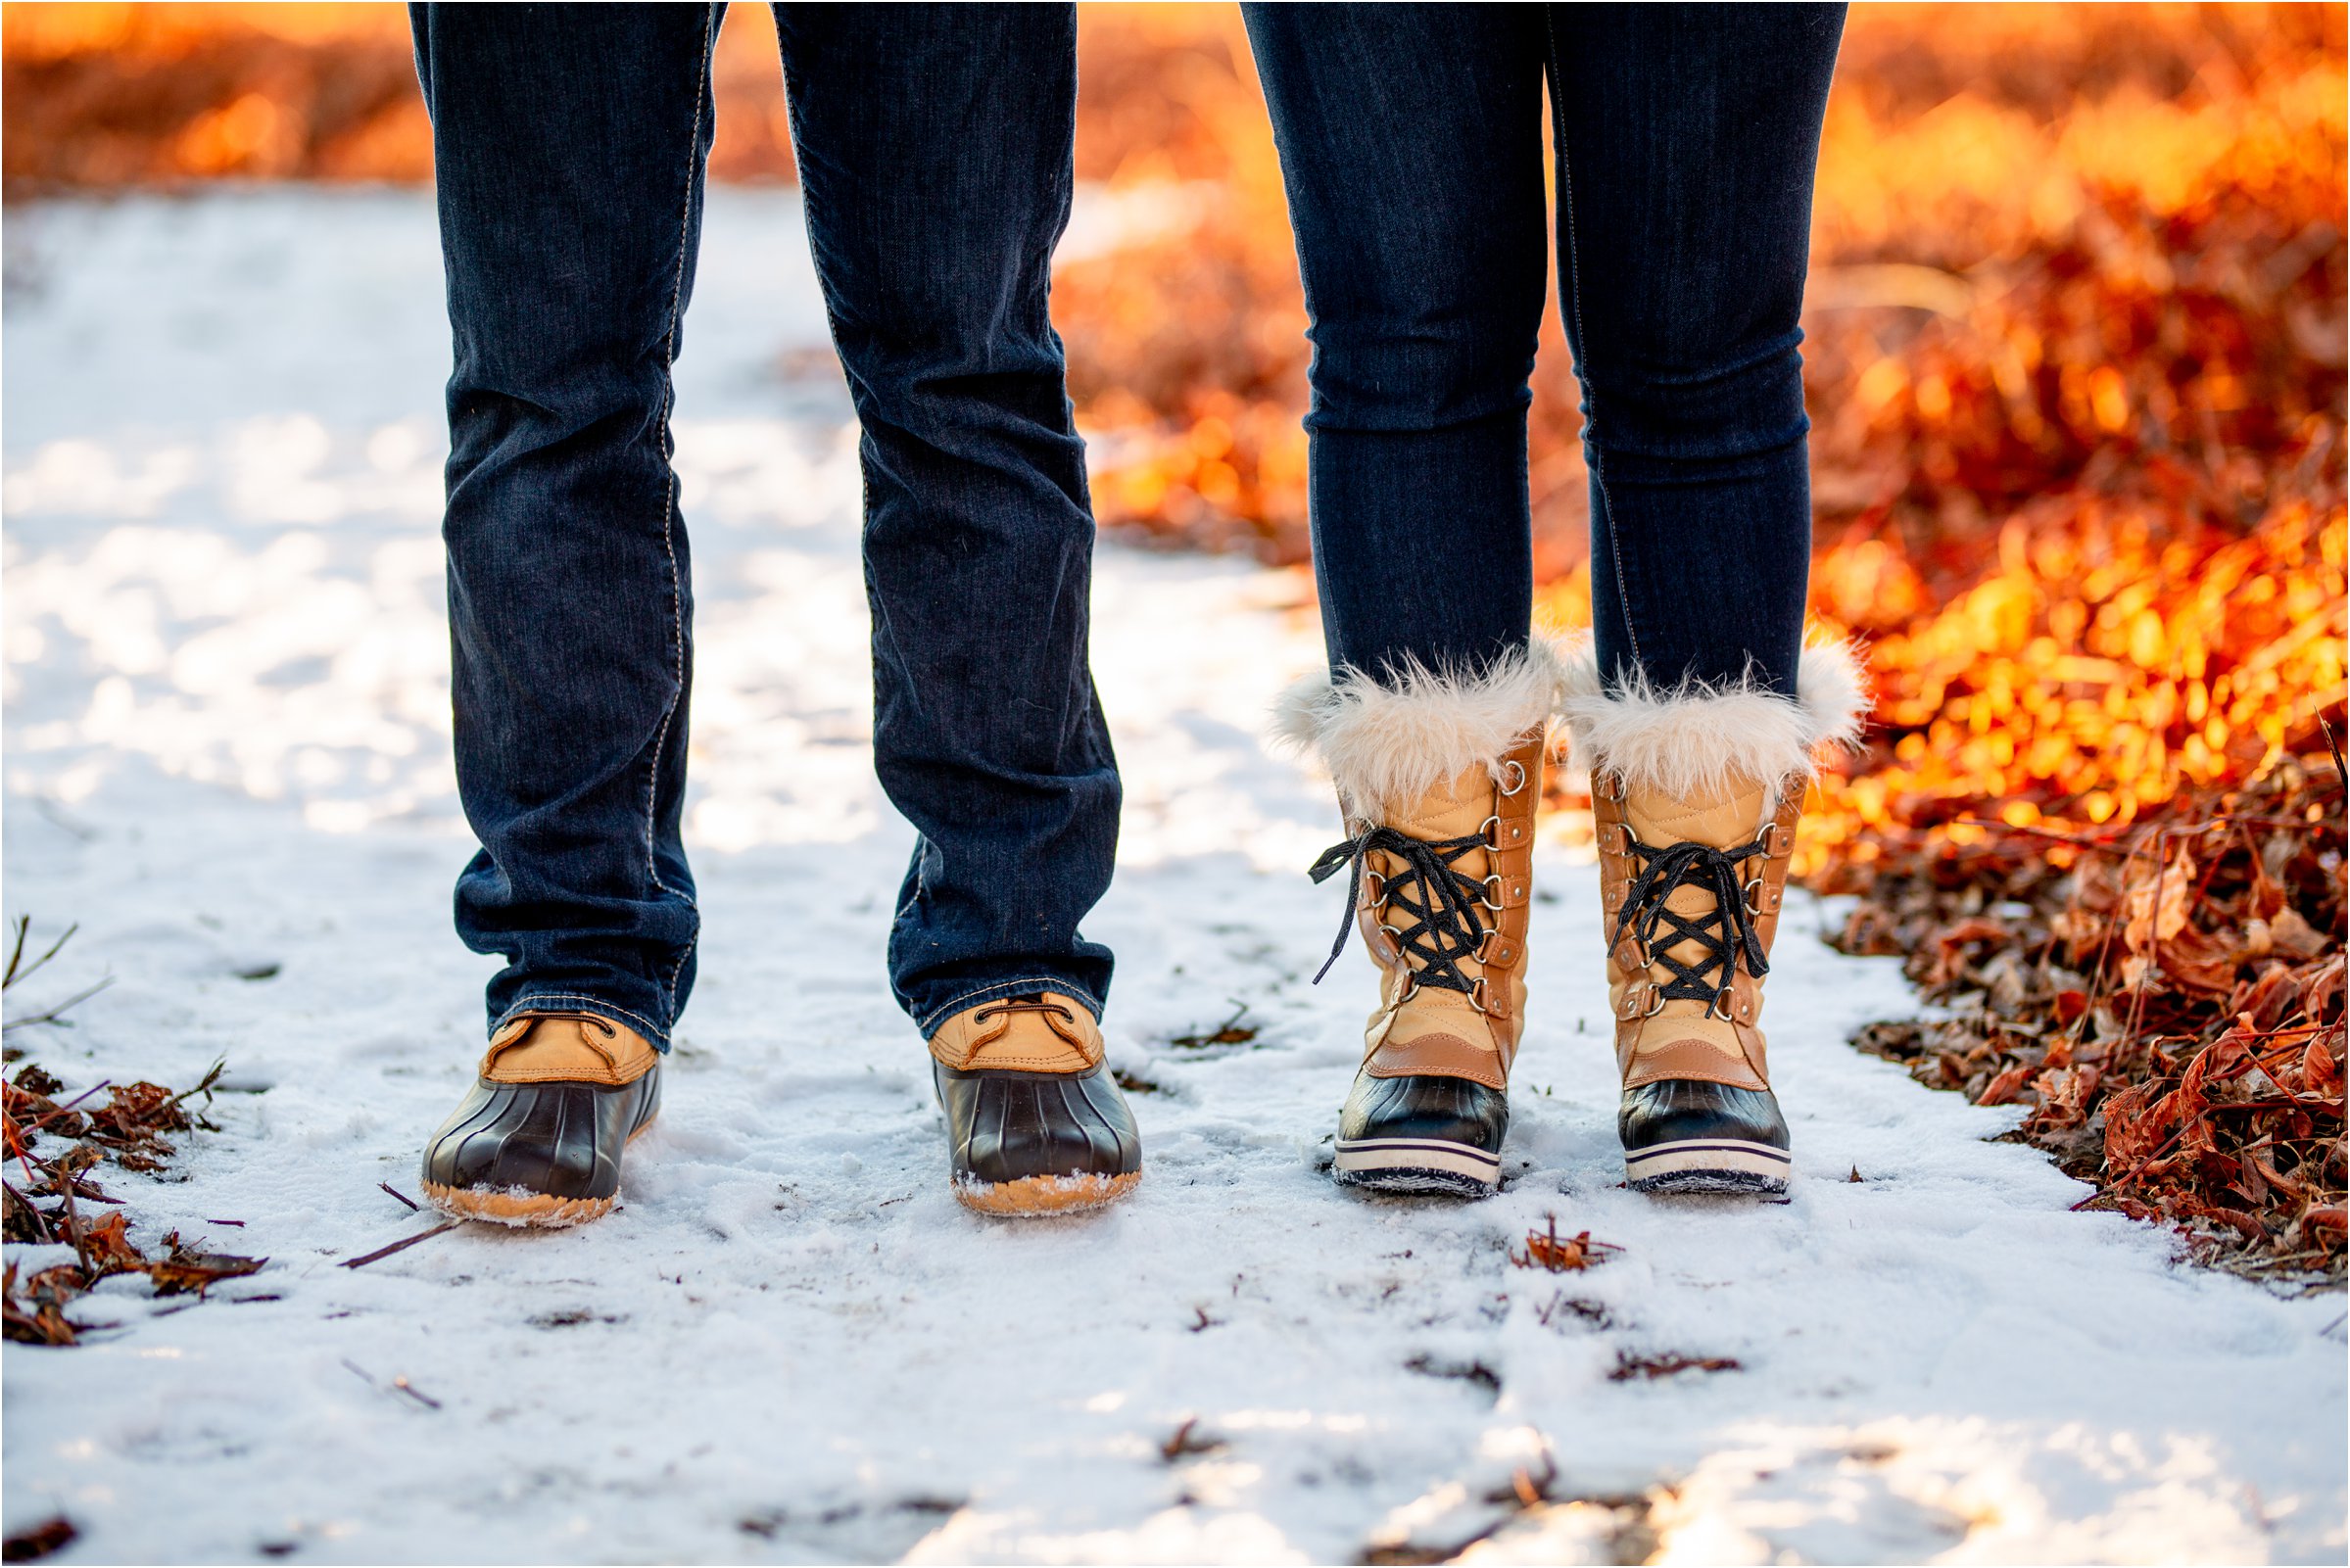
point(1416, 1164)
point(521, 1208)
point(1709, 1164)
point(1031, 1197)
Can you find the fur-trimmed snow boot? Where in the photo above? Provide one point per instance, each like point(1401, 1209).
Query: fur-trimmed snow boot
point(1035, 1124)
point(1438, 778)
point(1696, 795)
point(537, 1139)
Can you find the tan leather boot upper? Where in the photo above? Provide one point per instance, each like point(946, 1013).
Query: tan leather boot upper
point(1718, 1041)
point(567, 1048)
point(1422, 1028)
point(1048, 1033)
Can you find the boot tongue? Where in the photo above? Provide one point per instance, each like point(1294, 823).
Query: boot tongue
point(1455, 809)
point(567, 1048)
point(1730, 816)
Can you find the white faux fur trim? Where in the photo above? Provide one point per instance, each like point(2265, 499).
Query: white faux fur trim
point(1700, 739)
point(1388, 741)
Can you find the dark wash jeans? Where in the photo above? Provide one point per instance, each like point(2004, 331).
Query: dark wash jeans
point(1411, 142)
point(934, 145)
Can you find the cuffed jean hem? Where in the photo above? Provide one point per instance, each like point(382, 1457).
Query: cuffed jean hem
point(929, 1021)
point(580, 1002)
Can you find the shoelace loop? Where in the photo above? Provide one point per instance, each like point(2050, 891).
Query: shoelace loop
point(1448, 927)
point(531, 1021)
point(1064, 1027)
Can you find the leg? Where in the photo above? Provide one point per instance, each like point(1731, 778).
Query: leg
point(1687, 139)
point(1410, 142)
point(934, 146)
point(568, 144)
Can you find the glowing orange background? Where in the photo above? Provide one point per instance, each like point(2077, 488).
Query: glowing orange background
point(2076, 357)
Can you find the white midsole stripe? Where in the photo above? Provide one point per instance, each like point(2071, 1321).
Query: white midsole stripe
point(1711, 1154)
point(1418, 1154)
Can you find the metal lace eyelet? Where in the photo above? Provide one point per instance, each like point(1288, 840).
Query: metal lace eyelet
point(1607, 785)
point(1486, 1003)
point(1754, 903)
point(1477, 994)
point(1716, 1009)
point(1488, 831)
point(1517, 772)
point(1655, 1002)
point(1487, 900)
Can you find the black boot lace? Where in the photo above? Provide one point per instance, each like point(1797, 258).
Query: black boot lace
point(1725, 933)
point(1442, 902)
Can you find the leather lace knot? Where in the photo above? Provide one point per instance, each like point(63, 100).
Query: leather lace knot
point(1057, 1018)
point(591, 1024)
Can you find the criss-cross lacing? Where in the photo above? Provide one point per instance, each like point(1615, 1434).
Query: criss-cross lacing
point(1447, 927)
point(1725, 933)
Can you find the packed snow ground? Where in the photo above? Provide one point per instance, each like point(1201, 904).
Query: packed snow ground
point(227, 758)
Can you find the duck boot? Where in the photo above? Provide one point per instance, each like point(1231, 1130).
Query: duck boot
point(1695, 798)
point(1035, 1123)
point(537, 1139)
point(1438, 778)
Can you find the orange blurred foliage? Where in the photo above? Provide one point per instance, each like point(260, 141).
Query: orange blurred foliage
point(106, 95)
point(2075, 363)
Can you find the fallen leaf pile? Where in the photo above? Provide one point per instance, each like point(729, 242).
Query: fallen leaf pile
point(54, 1146)
point(2165, 1002)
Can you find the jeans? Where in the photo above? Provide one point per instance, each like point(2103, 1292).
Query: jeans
point(934, 145)
point(1686, 138)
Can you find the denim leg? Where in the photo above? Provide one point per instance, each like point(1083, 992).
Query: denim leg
point(934, 144)
point(1411, 147)
point(568, 145)
point(1687, 140)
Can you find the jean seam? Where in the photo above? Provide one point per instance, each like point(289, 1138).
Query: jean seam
point(881, 628)
point(677, 595)
point(946, 1010)
point(521, 1006)
point(1574, 272)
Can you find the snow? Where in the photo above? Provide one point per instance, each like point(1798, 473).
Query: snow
point(227, 753)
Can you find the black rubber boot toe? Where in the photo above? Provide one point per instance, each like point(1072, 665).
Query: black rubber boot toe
point(537, 1153)
point(1036, 1143)
point(1686, 1135)
point(1422, 1133)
